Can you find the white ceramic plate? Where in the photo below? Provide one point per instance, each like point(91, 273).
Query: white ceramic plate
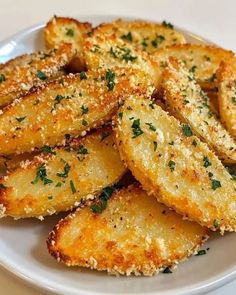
point(23, 248)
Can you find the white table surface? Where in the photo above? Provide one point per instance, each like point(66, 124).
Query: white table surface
point(213, 19)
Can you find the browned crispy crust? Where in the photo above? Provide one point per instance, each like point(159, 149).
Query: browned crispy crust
point(133, 235)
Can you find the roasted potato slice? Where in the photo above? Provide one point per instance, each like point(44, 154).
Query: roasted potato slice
point(227, 95)
point(201, 60)
point(19, 75)
point(68, 106)
point(146, 36)
point(62, 178)
point(133, 235)
point(107, 50)
point(173, 164)
point(189, 104)
point(63, 29)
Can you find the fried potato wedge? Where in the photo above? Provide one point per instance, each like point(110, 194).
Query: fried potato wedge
point(107, 50)
point(133, 235)
point(20, 75)
point(68, 106)
point(226, 75)
point(189, 104)
point(202, 60)
point(68, 30)
point(60, 179)
point(173, 164)
point(146, 36)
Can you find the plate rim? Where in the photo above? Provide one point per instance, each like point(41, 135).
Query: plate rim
point(49, 286)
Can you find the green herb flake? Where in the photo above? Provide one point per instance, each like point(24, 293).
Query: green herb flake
point(201, 252)
point(234, 100)
point(120, 115)
point(50, 197)
point(194, 143)
point(186, 101)
point(151, 126)
point(70, 32)
point(41, 75)
point(112, 52)
point(215, 184)
point(216, 223)
point(158, 40)
point(193, 69)
point(171, 165)
point(47, 150)
point(137, 131)
point(72, 187)
point(2, 186)
point(187, 130)
point(66, 170)
point(212, 78)
point(84, 122)
point(58, 99)
point(59, 184)
point(167, 270)
point(2, 78)
point(168, 24)
point(110, 77)
point(127, 56)
point(82, 76)
point(107, 192)
point(20, 119)
point(41, 174)
point(154, 146)
point(104, 135)
point(206, 161)
point(127, 37)
point(81, 152)
point(84, 110)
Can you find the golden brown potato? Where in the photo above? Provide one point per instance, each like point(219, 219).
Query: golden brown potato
point(21, 74)
point(227, 95)
point(68, 30)
point(189, 104)
point(133, 235)
point(60, 178)
point(68, 106)
point(104, 49)
point(146, 36)
point(173, 164)
point(201, 60)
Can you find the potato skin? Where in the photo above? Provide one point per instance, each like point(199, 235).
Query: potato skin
point(76, 172)
point(202, 60)
point(186, 101)
point(134, 235)
point(226, 76)
point(44, 116)
point(32, 70)
point(175, 165)
point(60, 30)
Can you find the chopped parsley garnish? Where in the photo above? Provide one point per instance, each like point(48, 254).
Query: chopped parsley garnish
point(212, 78)
point(112, 53)
point(210, 174)
point(201, 252)
point(20, 119)
point(234, 99)
point(2, 186)
point(127, 56)
point(84, 110)
point(59, 184)
point(110, 77)
point(127, 37)
point(82, 75)
point(58, 99)
point(168, 24)
point(216, 223)
point(193, 69)
point(158, 40)
point(41, 75)
point(215, 184)
point(70, 32)
point(41, 174)
point(2, 78)
point(167, 270)
point(187, 130)
point(84, 122)
point(47, 150)
point(82, 150)
point(171, 165)
point(151, 126)
point(232, 173)
point(194, 142)
point(171, 143)
point(206, 161)
point(107, 192)
point(136, 128)
point(154, 146)
point(104, 135)
point(50, 197)
point(66, 170)
point(207, 58)
point(186, 101)
point(144, 43)
point(120, 115)
point(72, 187)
